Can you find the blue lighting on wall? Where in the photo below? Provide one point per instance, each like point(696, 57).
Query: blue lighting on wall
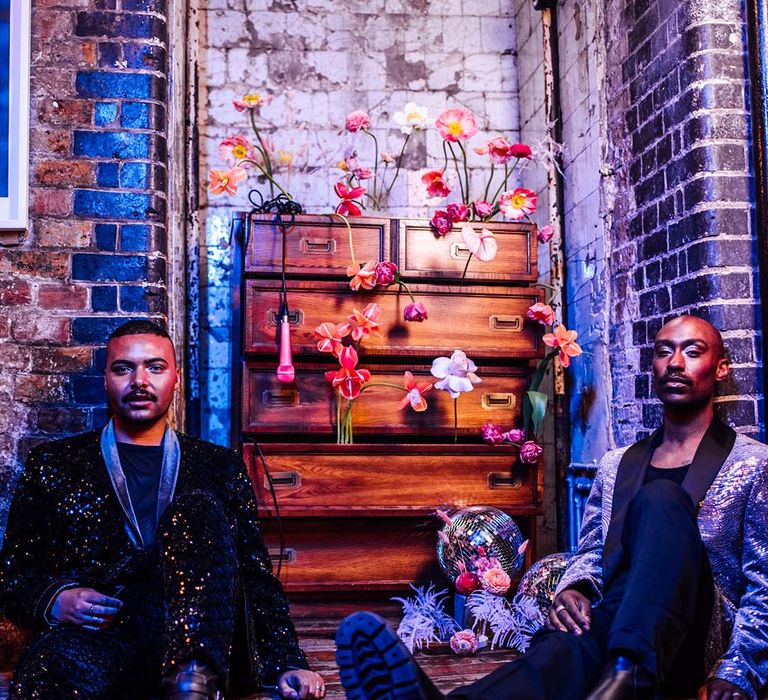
point(5, 93)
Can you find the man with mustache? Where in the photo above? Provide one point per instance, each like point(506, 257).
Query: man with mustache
point(135, 557)
point(668, 590)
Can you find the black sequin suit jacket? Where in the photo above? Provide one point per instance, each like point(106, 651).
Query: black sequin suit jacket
point(66, 525)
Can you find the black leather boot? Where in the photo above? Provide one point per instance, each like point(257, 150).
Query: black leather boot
point(191, 680)
point(623, 680)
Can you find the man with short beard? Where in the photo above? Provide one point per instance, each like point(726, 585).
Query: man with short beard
point(134, 555)
point(669, 587)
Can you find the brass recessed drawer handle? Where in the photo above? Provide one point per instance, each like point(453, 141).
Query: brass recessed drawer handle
point(497, 400)
point(459, 251)
point(497, 322)
point(283, 480)
point(318, 245)
point(295, 318)
point(502, 480)
point(289, 554)
point(280, 397)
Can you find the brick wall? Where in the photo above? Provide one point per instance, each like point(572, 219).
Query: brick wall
point(95, 253)
point(682, 231)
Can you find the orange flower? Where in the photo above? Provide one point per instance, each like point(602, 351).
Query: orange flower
point(415, 397)
point(362, 323)
point(565, 340)
point(226, 180)
point(496, 581)
point(348, 380)
point(329, 336)
point(364, 276)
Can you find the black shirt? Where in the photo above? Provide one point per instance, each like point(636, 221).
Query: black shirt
point(141, 465)
point(676, 474)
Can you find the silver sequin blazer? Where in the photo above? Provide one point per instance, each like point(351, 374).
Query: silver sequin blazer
point(733, 521)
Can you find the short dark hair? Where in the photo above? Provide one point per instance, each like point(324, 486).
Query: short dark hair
point(140, 327)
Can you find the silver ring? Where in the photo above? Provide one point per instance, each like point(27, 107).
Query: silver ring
point(559, 608)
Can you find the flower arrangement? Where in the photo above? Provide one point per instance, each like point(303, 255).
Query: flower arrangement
point(457, 376)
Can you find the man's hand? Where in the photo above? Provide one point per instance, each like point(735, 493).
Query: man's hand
point(85, 608)
point(300, 683)
point(718, 689)
point(570, 612)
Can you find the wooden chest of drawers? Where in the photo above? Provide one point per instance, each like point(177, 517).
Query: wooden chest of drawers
point(362, 517)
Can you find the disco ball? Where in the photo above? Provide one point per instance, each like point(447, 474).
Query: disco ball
point(540, 581)
point(475, 527)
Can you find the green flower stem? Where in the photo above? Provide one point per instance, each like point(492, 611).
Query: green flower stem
point(507, 174)
point(389, 384)
point(267, 175)
point(466, 169)
point(445, 156)
point(407, 289)
point(265, 153)
point(458, 171)
point(455, 420)
point(553, 291)
point(488, 184)
point(464, 274)
point(349, 233)
point(338, 418)
point(375, 165)
point(399, 163)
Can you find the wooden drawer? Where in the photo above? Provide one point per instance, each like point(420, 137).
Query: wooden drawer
point(308, 404)
point(485, 322)
point(315, 245)
point(352, 480)
point(421, 254)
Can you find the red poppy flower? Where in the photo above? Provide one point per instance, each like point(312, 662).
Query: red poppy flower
point(348, 380)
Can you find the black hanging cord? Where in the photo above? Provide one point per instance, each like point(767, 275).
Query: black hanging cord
point(280, 529)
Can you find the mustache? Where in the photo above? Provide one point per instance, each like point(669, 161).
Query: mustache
point(676, 378)
point(139, 396)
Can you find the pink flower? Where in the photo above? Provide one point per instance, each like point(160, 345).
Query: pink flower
point(516, 436)
point(441, 222)
point(565, 340)
point(500, 150)
point(516, 205)
point(385, 273)
point(520, 150)
point(364, 276)
point(357, 120)
point(456, 124)
point(363, 173)
point(348, 380)
point(329, 337)
point(482, 208)
point(529, 452)
point(482, 245)
point(456, 373)
point(251, 102)
point(545, 233)
point(543, 313)
point(234, 149)
point(226, 180)
point(496, 581)
point(464, 643)
point(435, 183)
point(492, 433)
point(415, 395)
point(457, 212)
point(415, 312)
point(363, 323)
point(347, 206)
point(467, 582)
point(387, 157)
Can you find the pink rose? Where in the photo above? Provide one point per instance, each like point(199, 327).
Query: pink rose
point(545, 233)
point(520, 150)
point(357, 120)
point(515, 436)
point(467, 582)
point(464, 643)
point(415, 312)
point(457, 212)
point(529, 452)
point(385, 273)
point(482, 208)
point(496, 581)
point(543, 313)
point(492, 433)
point(441, 222)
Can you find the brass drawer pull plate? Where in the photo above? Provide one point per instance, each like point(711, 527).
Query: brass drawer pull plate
point(513, 324)
point(280, 397)
point(318, 246)
point(295, 318)
point(503, 480)
point(497, 400)
point(289, 554)
point(459, 251)
point(283, 480)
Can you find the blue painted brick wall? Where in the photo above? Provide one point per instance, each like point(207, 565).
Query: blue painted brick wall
point(135, 176)
point(120, 268)
point(111, 144)
point(107, 175)
point(104, 113)
point(135, 115)
point(106, 236)
point(104, 298)
point(112, 205)
point(134, 238)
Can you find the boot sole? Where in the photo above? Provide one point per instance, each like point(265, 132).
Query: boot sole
point(373, 662)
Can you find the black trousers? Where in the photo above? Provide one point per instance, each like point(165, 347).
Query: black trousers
point(657, 610)
point(179, 605)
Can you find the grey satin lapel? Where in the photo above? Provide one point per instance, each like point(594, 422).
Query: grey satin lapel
point(713, 450)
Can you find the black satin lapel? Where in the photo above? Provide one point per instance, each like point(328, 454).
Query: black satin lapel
point(629, 477)
point(713, 450)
